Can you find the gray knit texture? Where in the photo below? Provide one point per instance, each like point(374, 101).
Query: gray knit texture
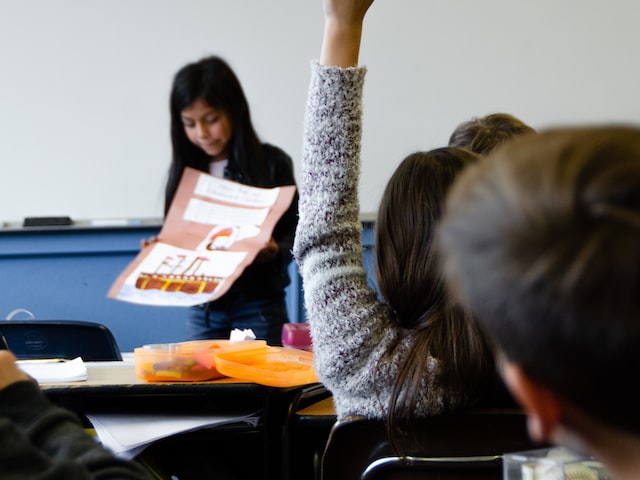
point(350, 327)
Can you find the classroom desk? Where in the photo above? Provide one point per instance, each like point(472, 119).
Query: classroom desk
point(307, 435)
point(321, 410)
point(114, 387)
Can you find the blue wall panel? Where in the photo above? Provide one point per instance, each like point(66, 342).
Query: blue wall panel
point(65, 273)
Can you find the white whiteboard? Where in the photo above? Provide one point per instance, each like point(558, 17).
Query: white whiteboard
point(84, 84)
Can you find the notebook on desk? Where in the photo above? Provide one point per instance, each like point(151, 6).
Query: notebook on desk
point(54, 370)
point(127, 435)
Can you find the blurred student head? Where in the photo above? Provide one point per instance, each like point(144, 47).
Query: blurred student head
point(483, 134)
point(541, 240)
point(210, 117)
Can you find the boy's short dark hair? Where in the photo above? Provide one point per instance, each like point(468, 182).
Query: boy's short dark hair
point(541, 240)
point(482, 134)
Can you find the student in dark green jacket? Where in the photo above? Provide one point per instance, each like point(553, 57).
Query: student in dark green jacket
point(39, 440)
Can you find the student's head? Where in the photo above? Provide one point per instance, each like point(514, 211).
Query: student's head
point(541, 240)
point(409, 209)
point(210, 118)
point(409, 277)
point(483, 134)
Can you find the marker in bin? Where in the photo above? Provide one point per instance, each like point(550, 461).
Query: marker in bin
point(3, 342)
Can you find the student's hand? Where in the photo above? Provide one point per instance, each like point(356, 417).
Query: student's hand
point(269, 252)
point(346, 12)
point(9, 372)
point(145, 242)
point(343, 31)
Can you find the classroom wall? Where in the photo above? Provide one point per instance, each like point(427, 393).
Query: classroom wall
point(84, 85)
point(65, 273)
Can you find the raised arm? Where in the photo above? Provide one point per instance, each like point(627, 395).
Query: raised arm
point(342, 31)
point(350, 327)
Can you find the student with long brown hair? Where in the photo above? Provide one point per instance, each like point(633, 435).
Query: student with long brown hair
point(413, 352)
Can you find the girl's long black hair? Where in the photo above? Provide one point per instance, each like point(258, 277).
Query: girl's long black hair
point(212, 80)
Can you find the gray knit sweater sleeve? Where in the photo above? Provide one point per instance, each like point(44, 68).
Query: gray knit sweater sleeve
point(351, 329)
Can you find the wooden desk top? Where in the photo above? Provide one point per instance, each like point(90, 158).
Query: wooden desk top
point(322, 408)
point(121, 374)
point(114, 387)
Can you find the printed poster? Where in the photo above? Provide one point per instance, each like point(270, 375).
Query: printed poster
point(214, 229)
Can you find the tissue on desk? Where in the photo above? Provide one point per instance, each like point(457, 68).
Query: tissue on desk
point(238, 335)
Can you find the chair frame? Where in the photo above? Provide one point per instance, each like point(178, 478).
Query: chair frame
point(31, 339)
point(386, 468)
point(469, 439)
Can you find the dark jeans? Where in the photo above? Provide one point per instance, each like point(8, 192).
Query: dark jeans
point(216, 320)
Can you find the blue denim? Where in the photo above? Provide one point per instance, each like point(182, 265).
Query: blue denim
point(264, 316)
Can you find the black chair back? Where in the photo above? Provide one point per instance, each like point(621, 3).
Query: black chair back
point(466, 444)
point(30, 339)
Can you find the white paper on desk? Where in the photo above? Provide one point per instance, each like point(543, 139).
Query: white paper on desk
point(54, 370)
point(128, 434)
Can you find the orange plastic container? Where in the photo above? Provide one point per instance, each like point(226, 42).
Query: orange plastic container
point(185, 361)
point(272, 366)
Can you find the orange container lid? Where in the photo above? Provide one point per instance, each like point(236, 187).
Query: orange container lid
point(271, 366)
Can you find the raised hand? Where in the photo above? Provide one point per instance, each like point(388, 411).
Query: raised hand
point(343, 31)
